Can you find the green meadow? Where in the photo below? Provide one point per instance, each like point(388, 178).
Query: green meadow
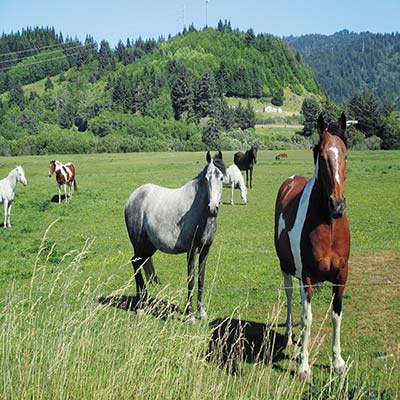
point(67, 331)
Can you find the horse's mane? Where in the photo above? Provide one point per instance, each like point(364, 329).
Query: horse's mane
point(218, 162)
point(333, 129)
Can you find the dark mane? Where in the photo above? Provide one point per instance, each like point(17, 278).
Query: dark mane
point(219, 163)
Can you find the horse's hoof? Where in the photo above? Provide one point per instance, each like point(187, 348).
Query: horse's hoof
point(304, 373)
point(140, 312)
point(339, 366)
point(203, 315)
point(191, 320)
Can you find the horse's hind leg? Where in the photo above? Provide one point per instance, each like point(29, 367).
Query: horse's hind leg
point(141, 292)
point(5, 212)
point(251, 178)
point(288, 285)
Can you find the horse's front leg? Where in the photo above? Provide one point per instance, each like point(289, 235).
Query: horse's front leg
point(59, 193)
point(190, 266)
point(232, 189)
point(251, 177)
point(202, 269)
point(304, 370)
point(247, 178)
point(9, 214)
point(338, 363)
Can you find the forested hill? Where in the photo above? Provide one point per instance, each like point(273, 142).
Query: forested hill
point(347, 62)
point(144, 94)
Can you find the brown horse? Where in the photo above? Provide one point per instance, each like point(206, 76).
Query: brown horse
point(280, 156)
point(245, 162)
point(312, 235)
point(65, 176)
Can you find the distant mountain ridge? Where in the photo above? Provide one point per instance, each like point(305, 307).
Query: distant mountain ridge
point(347, 62)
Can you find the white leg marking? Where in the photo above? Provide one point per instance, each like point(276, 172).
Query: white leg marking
point(232, 188)
point(304, 370)
point(5, 213)
point(338, 363)
point(295, 232)
point(9, 215)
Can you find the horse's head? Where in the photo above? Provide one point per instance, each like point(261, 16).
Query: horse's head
point(52, 167)
point(214, 176)
point(331, 155)
point(21, 175)
point(254, 154)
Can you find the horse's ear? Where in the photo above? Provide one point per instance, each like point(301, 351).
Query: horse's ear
point(321, 124)
point(219, 155)
point(208, 157)
point(342, 122)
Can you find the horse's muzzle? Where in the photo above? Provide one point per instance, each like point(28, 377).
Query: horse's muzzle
point(213, 211)
point(337, 207)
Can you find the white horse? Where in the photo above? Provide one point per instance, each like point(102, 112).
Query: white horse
point(7, 191)
point(234, 179)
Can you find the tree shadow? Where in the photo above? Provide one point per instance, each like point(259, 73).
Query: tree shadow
point(234, 341)
point(159, 309)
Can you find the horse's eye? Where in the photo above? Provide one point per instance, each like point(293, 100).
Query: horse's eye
point(222, 178)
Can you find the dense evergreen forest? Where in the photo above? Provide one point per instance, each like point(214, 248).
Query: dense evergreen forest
point(346, 62)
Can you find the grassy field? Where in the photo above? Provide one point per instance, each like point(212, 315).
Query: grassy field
point(65, 278)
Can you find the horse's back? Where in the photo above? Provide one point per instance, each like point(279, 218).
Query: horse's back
point(158, 214)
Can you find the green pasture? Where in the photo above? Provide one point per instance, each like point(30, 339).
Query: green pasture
point(62, 337)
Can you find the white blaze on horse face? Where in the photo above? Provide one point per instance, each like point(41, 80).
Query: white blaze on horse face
point(214, 178)
point(296, 231)
point(335, 152)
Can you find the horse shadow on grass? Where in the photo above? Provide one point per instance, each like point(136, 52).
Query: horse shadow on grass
point(159, 309)
point(54, 199)
point(234, 341)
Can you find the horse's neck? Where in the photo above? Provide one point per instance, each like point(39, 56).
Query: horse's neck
point(197, 190)
point(12, 178)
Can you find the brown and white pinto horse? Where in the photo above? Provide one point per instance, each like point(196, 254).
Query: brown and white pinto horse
point(65, 176)
point(245, 162)
point(312, 235)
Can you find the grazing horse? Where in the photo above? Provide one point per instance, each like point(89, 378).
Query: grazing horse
point(245, 162)
point(234, 179)
point(312, 235)
point(7, 191)
point(65, 176)
point(280, 156)
point(175, 221)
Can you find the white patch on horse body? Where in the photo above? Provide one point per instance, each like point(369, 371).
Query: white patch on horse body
point(281, 225)
point(295, 232)
point(335, 151)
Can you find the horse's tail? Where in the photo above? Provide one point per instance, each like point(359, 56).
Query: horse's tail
point(150, 271)
point(75, 185)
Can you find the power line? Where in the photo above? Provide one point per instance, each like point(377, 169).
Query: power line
point(19, 65)
point(38, 48)
point(54, 51)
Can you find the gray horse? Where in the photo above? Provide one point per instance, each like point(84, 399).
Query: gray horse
point(175, 221)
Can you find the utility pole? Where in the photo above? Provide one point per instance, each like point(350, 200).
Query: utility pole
point(207, 1)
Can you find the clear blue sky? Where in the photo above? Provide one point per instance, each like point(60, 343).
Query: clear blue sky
point(120, 19)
